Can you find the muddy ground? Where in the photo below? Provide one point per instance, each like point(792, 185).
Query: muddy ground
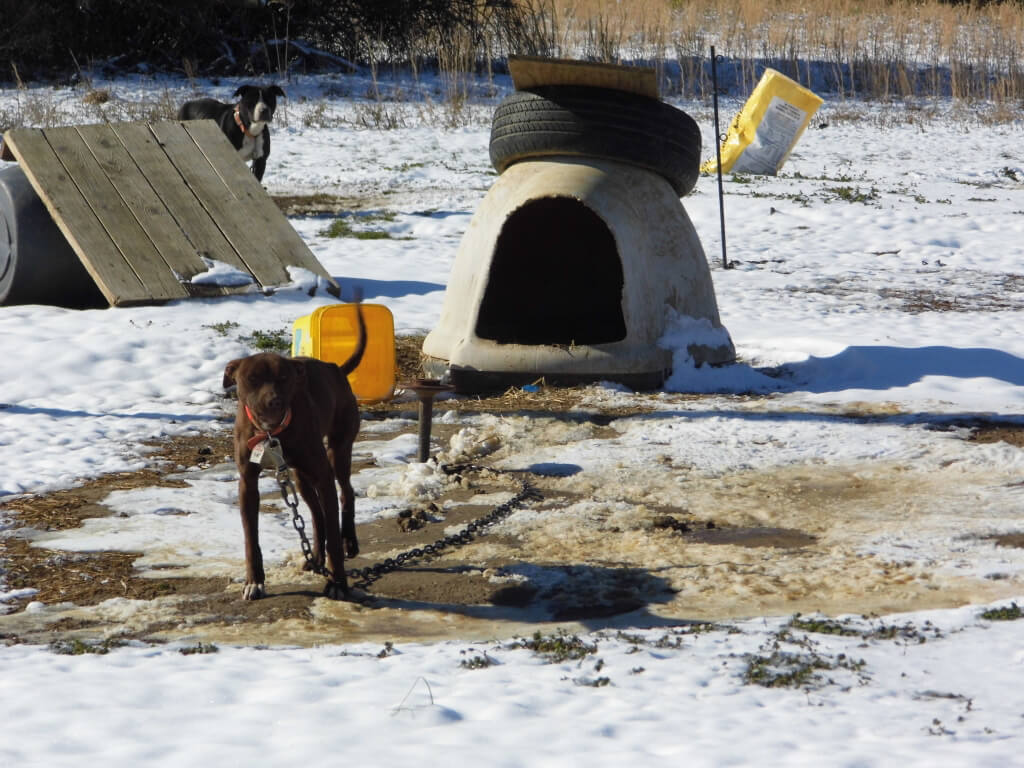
point(746, 543)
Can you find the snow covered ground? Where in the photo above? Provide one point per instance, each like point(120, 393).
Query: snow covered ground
point(876, 305)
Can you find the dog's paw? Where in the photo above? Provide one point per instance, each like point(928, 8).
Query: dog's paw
point(254, 591)
point(351, 546)
point(336, 590)
point(315, 565)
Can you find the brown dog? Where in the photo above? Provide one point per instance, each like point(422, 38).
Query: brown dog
point(301, 402)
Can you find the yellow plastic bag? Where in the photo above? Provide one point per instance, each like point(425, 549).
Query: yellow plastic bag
point(765, 131)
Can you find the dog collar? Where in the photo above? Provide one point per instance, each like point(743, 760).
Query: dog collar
point(238, 122)
point(266, 434)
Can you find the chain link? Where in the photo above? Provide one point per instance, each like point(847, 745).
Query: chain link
point(527, 492)
point(291, 498)
point(369, 574)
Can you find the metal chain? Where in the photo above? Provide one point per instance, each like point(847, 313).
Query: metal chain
point(369, 574)
point(291, 498)
point(527, 492)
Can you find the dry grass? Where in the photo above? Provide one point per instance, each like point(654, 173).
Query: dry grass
point(42, 108)
point(905, 52)
point(544, 399)
point(916, 53)
point(879, 49)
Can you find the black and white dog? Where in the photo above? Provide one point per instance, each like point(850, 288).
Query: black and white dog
point(244, 123)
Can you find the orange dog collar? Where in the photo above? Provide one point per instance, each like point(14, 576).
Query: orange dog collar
point(262, 435)
point(238, 122)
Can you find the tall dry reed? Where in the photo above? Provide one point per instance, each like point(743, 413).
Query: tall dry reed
point(876, 49)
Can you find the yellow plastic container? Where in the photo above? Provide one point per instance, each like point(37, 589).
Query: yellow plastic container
point(330, 334)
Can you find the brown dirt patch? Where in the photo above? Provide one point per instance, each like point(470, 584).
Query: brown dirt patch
point(754, 536)
point(321, 202)
point(472, 582)
point(1015, 540)
point(67, 508)
point(996, 432)
point(89, 578)
point(547, 400)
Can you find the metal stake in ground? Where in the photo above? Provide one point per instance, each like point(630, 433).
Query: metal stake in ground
point(719, 138)
point(426, 390)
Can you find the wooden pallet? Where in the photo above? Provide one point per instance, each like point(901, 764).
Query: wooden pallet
point(149, 206)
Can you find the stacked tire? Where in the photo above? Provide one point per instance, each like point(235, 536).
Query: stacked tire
point(584, 121)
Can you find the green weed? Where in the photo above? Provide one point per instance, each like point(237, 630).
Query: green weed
point(800, 665)
point(76, 647)
point(270, 341)
point(823, 626)
point(794, 197)
point(478, 662)
point(1010, 612)
point(854, 194)
point(557, 648)
point(198, 648)
point(262, 341)
point(337, 228)
point(593, 682)
point(906, 632)
point(224, 328)
point(343, 227)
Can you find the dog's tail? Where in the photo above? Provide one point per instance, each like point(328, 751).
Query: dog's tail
point(357, 356)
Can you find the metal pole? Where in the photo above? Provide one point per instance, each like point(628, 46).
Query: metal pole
point(719, 138)
point(426, 390)
point(426, 415)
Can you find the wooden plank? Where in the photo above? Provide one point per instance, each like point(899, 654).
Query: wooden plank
point(138, 195)
point(534, 71)
point(170, 188)
point(234, 220)
point(119, 221)
point(280, 238)
point(144, 206)
point(66, 203)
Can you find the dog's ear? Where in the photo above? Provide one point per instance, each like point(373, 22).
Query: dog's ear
point(277, 91)
point(242, 90)
point(229, 373)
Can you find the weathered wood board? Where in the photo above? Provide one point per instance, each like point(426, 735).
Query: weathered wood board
point(149, 206)
point(534, 72)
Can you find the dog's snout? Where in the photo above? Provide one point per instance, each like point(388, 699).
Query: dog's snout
point(262, 113)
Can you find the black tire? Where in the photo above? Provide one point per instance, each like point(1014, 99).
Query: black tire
point(597, 122)
point(37, 265)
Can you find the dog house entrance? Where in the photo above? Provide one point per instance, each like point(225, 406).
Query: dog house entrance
point(555, 278)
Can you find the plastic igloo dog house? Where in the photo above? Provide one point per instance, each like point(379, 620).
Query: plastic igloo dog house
point(572, 265)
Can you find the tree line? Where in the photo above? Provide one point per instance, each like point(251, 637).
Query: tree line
point(48, 38)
